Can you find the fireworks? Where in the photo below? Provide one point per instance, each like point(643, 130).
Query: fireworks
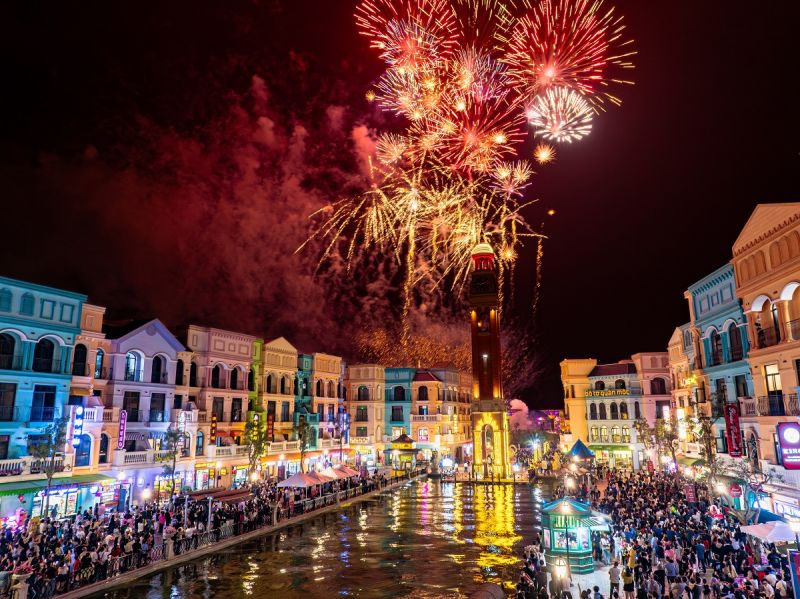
point(560, 114)
point(465, 76)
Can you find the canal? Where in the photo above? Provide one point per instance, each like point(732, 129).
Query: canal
point(427, 539)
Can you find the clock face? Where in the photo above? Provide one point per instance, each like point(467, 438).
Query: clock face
point(483, 285)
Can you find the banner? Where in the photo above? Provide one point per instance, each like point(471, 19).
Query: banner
point(212, 437)
point(689, 491)
point(732, 431)
point(123, 423)
point(270, 427)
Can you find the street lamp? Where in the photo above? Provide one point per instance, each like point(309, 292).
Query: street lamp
point(794, 524)
point(560, 567)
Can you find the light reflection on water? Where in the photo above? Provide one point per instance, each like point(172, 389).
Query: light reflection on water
point(425, 540)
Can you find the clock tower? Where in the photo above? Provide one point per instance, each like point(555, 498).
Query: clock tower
point(490, 426)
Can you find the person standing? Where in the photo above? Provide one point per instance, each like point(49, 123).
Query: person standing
point(613, 578)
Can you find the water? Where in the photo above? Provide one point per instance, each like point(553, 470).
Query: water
point(424, 540)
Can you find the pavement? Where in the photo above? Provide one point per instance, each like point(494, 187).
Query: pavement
point(581, 582)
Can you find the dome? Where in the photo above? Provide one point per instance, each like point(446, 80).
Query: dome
point(482, 248)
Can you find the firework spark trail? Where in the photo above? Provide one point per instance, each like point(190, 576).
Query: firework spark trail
point(465, 76)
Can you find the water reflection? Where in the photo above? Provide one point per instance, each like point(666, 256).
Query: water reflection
point(424, 540)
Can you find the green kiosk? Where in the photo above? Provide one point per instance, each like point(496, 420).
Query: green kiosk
point(567, 525)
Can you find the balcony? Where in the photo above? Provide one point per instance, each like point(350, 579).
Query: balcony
point(279, 447)
point(156, 416)
point(9, 362)
point(79, 369)
point(190, 416)
point(425, 417)
point(777, 405)
point(236, 416)
point(749, 406)
point(737, 353)
point(135, 415)
point(369, 440)
point(42, 414)
point(28, 465)
point(793, 329)
point(767, 338)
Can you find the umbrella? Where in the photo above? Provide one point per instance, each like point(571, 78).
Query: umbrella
point(348, 471)
point(301, 479)
point(776, 530)
point(580, 451)
point(332, 474)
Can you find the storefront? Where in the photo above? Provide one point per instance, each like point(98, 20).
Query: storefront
point(623, 457)
point(70, 496)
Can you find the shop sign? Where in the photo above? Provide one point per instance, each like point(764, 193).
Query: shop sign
point(794, 568)
point(736, 490)
point(123, 423)
point(270, 427)
point(732, 430)
point(77, 426)
point(789, 441)
point(606, 392)
point(212, 437)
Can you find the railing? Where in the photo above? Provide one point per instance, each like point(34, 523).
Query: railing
point(749, 406)
point(771, 405)
point(737, 353)
point(236, 416)
point(223, 452)
point(791, 405)
point(283, 447)
point(136, 457)
point(202, 416)
point(7, 413)
point(362, 440)
point(47, 365)
point(156, 415)
point(110, 415)
point(79, 369)
point(42, 414)
point(93, 414)
point(9, 362)
point(161, 378)
point(767, 337)
point(241, 450)
point(101, 374)
point(134, 415)
point(793, 329)
point(190, 416)
point(425, 417)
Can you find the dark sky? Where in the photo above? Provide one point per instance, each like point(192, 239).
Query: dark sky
point(112, 109)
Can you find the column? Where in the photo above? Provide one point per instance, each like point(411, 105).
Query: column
point(751, 330)
point(27, 354)
point(783, 319)
point(66, 359)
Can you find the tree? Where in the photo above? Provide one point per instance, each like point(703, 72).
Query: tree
point(255, 438)
point(45, 446)
point(303, 431)
point(644, 433)
point(701, 428)
point(173, 439)
point(667, 435)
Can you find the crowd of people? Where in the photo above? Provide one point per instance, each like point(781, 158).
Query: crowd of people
point(664, 545)
point(54, 556)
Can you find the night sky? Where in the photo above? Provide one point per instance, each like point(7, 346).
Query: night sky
point(163, 158)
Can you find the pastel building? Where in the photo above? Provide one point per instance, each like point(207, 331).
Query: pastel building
point(38, 330)
point(766, 261)
point(365, 404)
point(398, 400)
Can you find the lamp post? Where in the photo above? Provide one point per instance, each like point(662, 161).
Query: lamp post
point(566, 509)
point(794, 524)
point(561, 573)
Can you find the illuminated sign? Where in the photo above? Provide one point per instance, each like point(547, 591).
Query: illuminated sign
point(77, 426)
point(732, 431)
point(606, 392)
point(212, 438)
point(789, 441)
point(123, 423)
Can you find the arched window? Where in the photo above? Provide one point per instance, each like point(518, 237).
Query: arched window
point(5, 300)
point(399, 393)
point(423, 393)
point(283, 385)
point(251, 380)
point(98, 364)
point(715, 343)
point(599, 386)
point(235, 378)
point(270, 382)
point(133, 366)
point(83, 451)
point(319, 388)
point(217, 377)
point(331, 389)
point(79, 360)
point(7, 347)
point(626, 434)
point(615, 434)
point(636, 412)
point(198, 446)
point(623, 410)
point(604, 433)
point(592, 411)
point(614, 411)
point(179, 372)
point(594, 433)
point(43, 355)
point(158, 371)
point(658, 386)
point(619, 384)
point(26, 305)
point(103, 457)
point(735, 343)
point(363, 393)
point(602, 411)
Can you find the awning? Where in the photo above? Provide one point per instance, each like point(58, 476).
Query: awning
point(22, 487)
point(135, 436)
point(79, 391)
point(606, 447)
point(762, 516)
point(689, 461)
point(157, 434)
point(83, 479)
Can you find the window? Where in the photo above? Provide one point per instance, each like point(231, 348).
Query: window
point(98, 365)
point(251, 380)
point(8, 392)
point(179, 372)
point(604, 433)
point(7, 346)
point(177, 402)
point(397, 413)
point(103, 456)
point(158, 371)
point(330, 413)
point(735, 342)
point(236, 409)
point(592, 411)
point(283, 385)
point(422, 394)
point(43, 355)
point(157, 404)
point(79, 360)
point(422, 434)
point(83, 452)
point(26, 305)
point(5, 300)
point(361, 431)
point(271, 408)
point(399, 394)
point(619, 384)
point(658, 387)
point(193, 375)
point(331, 389)
point(773, 376)
point(285, 416)
point(130, 403)
point(626, 434)
point(44, 403)
point(362, 414)
point(363, 393)
point(218, 408)
point(319, 389)
point(599, 386)
point(623, 410)
point(602, 411)
point(321, 413)
point(715, 347)
point(614, 412)
point(615, 437)
point(423, 410)
point(594, 433)
point(133, 367)
point(235, 378)
point(636, 412)
point(198, 444)
point(217, 377)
